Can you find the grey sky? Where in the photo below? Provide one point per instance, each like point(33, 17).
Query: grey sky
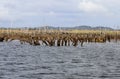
point(59, 12)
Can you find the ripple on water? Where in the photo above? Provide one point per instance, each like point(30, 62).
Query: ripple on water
point(93, 61)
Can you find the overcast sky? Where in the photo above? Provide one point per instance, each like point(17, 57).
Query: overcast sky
point(31, 13)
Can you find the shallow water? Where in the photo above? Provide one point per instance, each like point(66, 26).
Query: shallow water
point(92, 61)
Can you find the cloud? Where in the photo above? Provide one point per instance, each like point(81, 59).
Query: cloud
point(3, 12)
point(65, 12)
point(92, 7)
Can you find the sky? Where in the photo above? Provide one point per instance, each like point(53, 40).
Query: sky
point(59, 13)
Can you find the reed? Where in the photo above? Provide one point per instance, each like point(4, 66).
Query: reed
point(58, 38)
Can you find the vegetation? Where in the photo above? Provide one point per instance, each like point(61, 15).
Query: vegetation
point(58, 37)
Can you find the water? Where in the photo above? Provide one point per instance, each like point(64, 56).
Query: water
point(93, 61)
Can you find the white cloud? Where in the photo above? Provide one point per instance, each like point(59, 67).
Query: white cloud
point(24, 10)
point(92, 7)
point(3, 12)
